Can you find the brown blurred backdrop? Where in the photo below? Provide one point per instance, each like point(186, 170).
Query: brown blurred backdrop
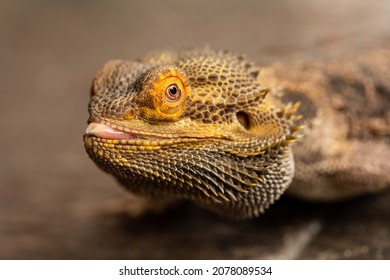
point(54, 203)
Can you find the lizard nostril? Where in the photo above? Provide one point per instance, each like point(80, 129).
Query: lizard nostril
point(244, 119)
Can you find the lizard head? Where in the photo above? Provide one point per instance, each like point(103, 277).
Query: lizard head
point(194, 125)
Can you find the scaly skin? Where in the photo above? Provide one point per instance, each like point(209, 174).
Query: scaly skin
point(345, 101)
point(217, 138)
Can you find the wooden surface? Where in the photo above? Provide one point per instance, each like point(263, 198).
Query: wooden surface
point(55, 204)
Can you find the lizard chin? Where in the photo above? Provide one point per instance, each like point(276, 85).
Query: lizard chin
point(103, 131)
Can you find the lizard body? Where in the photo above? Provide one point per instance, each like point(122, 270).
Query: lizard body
point(346, 111)
point(204, 125)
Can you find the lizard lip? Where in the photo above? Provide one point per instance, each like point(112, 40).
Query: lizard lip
point(103, 131)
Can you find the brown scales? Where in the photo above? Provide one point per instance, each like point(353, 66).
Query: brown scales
point(222, 138)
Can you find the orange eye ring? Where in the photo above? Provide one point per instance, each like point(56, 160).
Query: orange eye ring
point(173, 93)
point(165, 96)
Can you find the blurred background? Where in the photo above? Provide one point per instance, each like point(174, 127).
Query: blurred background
point(54, 202)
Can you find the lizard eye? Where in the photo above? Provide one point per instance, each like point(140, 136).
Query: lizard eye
point(173, 93)
point(164, 96)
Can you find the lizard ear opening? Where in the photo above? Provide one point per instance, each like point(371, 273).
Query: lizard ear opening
point(244, 119)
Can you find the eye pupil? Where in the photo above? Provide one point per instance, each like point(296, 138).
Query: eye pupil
point(173, 92)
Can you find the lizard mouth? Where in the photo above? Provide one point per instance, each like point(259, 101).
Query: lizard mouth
point(103, 131)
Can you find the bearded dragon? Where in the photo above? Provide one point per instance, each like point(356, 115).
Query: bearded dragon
point(210, 127)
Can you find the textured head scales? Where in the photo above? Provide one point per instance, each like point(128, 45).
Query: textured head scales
point(194, 124)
